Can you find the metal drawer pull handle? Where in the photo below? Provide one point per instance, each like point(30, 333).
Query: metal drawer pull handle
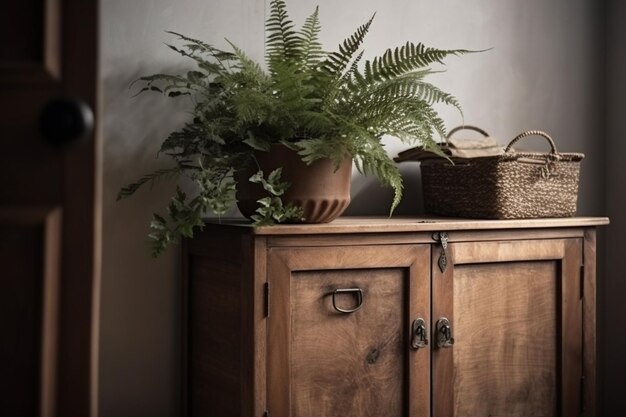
point(359, 299)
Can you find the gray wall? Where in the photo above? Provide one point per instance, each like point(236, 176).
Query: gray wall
point(543, 72)
point(613, 288)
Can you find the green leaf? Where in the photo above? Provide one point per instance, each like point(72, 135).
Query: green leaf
point(149, 179)
point(257, 143)
point(321, 104)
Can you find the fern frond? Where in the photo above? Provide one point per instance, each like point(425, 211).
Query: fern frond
point(408, 86)
point(196, 45)
point(282, 41)
point(151, 178)
point(408, 57)
point(246, 65)
point(372, 159)
point(202, 62)
point(309, 47)
point(337, 62)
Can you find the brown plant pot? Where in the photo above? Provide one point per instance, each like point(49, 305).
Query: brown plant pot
point(321, 191)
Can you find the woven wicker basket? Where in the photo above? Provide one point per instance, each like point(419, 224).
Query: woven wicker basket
point(513, 185)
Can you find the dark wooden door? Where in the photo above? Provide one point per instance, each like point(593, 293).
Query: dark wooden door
point(323, 362)
point(49, 208)
point(515, 312)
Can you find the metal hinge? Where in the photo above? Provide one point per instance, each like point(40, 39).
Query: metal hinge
point(267, 300)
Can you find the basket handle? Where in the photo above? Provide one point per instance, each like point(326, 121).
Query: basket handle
point(533, 133)
point(463, 127)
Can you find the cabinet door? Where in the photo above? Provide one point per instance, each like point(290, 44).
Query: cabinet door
point(323, 362)
point(514, 308)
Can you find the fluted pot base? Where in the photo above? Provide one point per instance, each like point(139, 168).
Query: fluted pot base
point(321, 191)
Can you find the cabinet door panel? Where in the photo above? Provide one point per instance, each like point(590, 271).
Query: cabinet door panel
point(516, 317)
point(510, 320)
point(359, 350)
point(323, 362)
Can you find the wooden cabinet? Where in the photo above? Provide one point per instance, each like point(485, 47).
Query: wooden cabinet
point(392, 318)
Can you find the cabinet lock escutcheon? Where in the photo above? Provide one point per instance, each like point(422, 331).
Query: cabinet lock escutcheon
point(442, 238)
point(419, 336)
point(444, 333)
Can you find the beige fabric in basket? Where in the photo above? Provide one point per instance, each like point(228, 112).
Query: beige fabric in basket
point(456, 148)
point(474, 148)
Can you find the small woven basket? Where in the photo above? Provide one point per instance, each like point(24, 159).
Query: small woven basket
point(513, 185)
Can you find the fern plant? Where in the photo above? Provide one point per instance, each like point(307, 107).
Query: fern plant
point(321, 104)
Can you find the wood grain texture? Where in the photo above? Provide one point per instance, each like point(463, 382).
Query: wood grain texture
point(348, 364)
point(442, 386)
point(571, 334)
point(224, 353)
point(215, 345)
point(309, 373)
point(590, 406)
point(407, 238)
point(505, 356)
point(258, 343)
point(411, 224)
point(279, 334)
point(419, 361)
point(509, 251)
point(519, 287)
point(513, 297)
point(185, 334)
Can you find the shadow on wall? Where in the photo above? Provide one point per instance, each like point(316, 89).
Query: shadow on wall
point(370, 198)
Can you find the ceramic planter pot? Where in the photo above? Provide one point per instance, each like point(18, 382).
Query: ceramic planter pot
point(321, 191)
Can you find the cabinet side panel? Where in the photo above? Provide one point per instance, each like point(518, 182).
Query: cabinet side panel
point(589, 324)
point(214, 328)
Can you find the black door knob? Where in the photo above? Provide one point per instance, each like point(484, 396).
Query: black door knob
point(65, 121)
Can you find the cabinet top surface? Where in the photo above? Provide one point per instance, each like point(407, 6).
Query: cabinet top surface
point(406, 224)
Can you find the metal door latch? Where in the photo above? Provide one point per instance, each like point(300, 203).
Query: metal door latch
point(444, 333)
point(419, 338)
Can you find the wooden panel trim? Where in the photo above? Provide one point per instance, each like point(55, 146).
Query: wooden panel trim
point(443, 358)
point(411, 224)
point(302, 259)
point(48, 68)
point(282, 262)
point(254, 326)
point(590, 406)
point(419, 360)
point(279, 336)
point(509, 251)
point(52, 38)
point(50, 320)
point(82, 205)
point(185, 356)
point(571, 328)
point(50, 219)
point(569, 253)
point(410, 238)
